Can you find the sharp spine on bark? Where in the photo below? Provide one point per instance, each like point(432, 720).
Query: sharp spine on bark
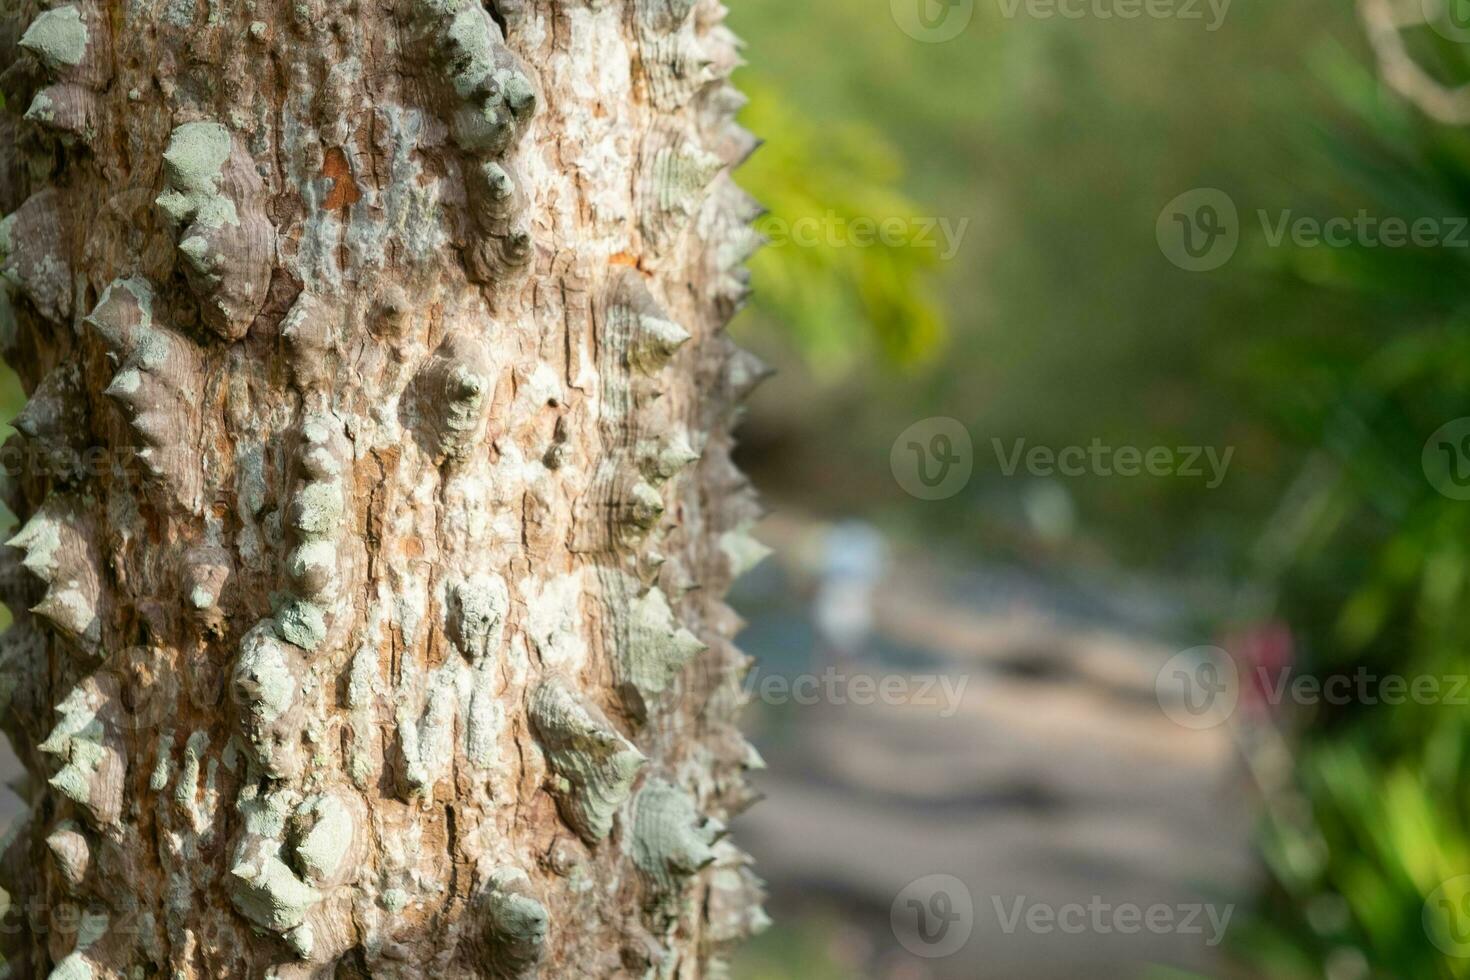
point(93, 760)
point(744, 372)
point(671, 841)
point(663, 458)
point(71, 853)
point(645, 507)
point(515, 924)
point(733, 903)
point(58, 547)
point(160, 374)
point(728, 222)
point(215, 199)
point(651, 648)
point(732, 281)
point(636, 322)
point(677, 173)
point(61, 39)
point(57, 37)
point(742, 551)
point(34, 257)
point(674, 63)
point(44, 415)
point(494, 102)
point(732, 142)
point(68, 109)
point(455, 388)
point(55, 419)
point(593, 767)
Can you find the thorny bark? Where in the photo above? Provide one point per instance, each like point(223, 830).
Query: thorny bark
point(378, 500)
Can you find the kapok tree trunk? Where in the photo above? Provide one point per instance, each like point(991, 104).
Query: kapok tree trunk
point(375, 488)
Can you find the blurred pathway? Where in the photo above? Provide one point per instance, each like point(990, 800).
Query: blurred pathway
point(1055, 780)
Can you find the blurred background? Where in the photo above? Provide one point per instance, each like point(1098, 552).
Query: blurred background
point(1116, 621)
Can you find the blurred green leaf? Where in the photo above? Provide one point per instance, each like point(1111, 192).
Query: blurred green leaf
point(837, 288)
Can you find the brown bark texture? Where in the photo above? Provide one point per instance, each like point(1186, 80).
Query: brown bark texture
point(375, 494)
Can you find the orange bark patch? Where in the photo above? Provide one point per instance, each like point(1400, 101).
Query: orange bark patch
point(629, 260)
point(344, 191)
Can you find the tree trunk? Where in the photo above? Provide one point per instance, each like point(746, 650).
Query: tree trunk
point(375, 488)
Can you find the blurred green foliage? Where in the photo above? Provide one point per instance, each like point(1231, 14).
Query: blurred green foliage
point(1057, 142)
point(837, 299)
point(1376, 572)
